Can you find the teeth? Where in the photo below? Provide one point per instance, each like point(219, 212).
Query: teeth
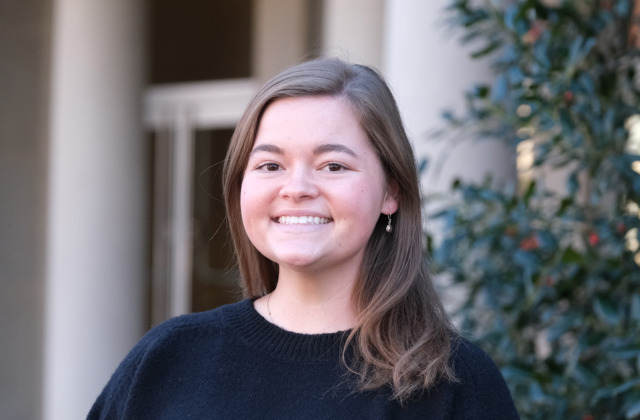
point(302, 220)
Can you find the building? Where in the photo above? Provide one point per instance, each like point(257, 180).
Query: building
point(104, 122)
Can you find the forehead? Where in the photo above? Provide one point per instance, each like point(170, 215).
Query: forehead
point(309, 117)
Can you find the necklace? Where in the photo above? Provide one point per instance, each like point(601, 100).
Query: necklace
point(269, 308)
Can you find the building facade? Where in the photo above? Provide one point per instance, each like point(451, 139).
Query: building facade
point(114, 117)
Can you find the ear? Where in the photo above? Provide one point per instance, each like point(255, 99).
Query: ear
point(391, 197)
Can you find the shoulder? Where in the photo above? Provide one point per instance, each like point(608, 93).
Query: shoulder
point(472, 362)
point(187, 339)
point(178, 343)
point(182, 331)
point(481, 385)
point(207, 322)
point(213, 316)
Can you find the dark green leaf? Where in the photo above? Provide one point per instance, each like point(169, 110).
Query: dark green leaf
point(635, 306)
point(487, 49)
point(606, 312)
point(572, 183)
point(531, 189)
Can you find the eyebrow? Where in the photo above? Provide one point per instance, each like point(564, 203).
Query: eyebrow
point(269, 148)
point(326, 148)
point(323, 148)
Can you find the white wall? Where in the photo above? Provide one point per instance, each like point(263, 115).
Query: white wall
point(96, 226)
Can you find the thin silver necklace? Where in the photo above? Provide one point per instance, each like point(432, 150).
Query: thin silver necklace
point(269, 308)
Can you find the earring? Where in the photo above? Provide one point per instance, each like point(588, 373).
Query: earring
point(389, 228)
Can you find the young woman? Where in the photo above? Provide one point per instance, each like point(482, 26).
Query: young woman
point(341, 318)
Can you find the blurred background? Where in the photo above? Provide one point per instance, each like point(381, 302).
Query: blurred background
point(115, 116)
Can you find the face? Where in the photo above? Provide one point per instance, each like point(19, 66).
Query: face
point(314, 187)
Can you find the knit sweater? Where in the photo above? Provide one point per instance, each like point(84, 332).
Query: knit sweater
point(231, 363)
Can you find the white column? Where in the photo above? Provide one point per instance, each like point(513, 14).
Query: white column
point(429, 71)
point(181, 212)
point(279, 37)
point(353, 30)
point(96, 222)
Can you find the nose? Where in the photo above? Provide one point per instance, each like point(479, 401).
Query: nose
point(299, 184)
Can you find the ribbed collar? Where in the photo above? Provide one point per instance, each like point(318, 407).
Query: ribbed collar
point(278, 343)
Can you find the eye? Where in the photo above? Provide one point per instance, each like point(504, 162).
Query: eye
point(335, 167)
point(269, 166)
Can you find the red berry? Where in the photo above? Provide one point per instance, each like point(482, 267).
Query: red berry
point(529, 243)
point(568, 96)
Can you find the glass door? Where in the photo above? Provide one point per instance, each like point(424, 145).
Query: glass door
point(190, 126)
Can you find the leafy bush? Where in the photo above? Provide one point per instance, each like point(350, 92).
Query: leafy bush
point(552, 274)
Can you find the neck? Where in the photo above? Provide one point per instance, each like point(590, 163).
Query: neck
point(310, 305)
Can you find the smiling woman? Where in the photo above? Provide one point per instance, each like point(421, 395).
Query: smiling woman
point(311, 161)
point(341, 318)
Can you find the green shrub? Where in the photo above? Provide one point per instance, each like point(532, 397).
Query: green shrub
point(552, 275)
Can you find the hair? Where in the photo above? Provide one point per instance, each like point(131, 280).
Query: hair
point(403, 336)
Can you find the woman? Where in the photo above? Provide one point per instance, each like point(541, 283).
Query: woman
point(342, 319)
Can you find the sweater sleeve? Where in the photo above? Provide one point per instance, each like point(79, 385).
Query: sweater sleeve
point(482, 393)
point(112, 401)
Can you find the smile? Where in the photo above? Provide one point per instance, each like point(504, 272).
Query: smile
point(303, 220)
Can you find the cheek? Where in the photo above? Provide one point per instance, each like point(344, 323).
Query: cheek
point(254, 203)
point(368, 195)
point(246, 204)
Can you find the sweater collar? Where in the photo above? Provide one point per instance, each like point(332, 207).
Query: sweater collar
point(278, 343)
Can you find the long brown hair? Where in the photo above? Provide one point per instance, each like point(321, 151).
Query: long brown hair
point(403, 336)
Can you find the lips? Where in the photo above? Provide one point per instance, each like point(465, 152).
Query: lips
point(302, 220)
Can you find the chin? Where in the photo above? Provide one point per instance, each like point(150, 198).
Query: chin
point(295, 260)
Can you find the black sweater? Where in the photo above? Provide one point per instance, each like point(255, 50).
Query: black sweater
point(230, 363)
